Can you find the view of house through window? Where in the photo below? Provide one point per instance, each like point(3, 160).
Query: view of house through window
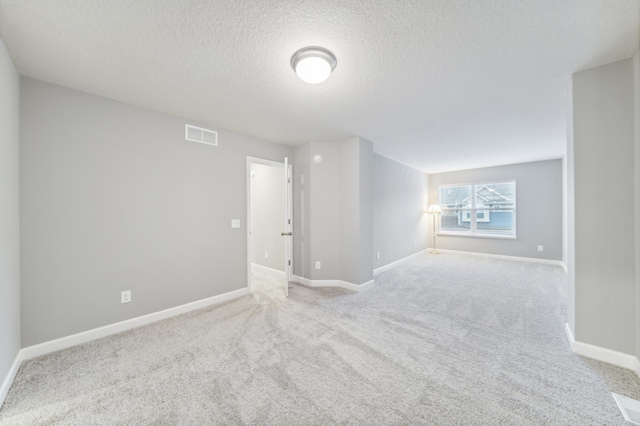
point(480, 209)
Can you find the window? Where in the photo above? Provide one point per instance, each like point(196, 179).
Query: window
point(486, 209)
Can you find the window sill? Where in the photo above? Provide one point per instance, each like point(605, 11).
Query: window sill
point(470, 235)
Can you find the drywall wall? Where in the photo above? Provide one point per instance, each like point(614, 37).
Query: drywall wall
point(399, 203)
point(538, 209)
point(301, 208)
point(9, 214)
point(569, 240)
point(348, 235)
point(268, 204)
point(113, 198)
point(365, 180)
point(356, 210)
point(333, 210)
point(324, 211)
point(603, 151)
point(636, 179)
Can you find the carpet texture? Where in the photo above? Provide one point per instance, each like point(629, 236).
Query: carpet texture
point(447, 339)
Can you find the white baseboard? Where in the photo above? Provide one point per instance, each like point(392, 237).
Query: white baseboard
point(107, 330)
point(266, 270)
point(396, 263)
point(8, 380)
point(97, 333)
point(333, 283)
point(569, 333)
point(504, 257)
point(609, 356)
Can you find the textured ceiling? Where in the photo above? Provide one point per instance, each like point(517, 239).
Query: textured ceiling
point(435, 84)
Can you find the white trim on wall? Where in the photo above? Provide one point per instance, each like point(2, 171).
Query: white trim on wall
point(609, 356)
point(504, 257)
point(333, 283)
point(397, 262)
point(266, 270)
point(276, 164)
point(11, 375)
point(569, 333)
point(108, 330)
point(492, 256)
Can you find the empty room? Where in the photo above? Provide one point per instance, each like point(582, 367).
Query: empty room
point(320, 212)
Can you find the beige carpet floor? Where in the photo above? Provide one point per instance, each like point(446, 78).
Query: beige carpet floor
point(448, 339)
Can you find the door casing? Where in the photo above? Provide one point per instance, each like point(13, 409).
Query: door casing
point(287, 223)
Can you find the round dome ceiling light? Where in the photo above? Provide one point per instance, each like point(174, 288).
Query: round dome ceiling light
point(313, 64)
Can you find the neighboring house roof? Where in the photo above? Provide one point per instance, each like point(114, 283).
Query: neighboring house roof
point(489, 196)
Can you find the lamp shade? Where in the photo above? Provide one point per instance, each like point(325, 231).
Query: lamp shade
point(434, 209)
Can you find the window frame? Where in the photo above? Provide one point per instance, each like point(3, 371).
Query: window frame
point(473, 211)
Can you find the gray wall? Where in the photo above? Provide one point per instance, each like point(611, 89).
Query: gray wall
point(636, 179)
point(399, 203)
point(301, 209)
point(9, 214)
point(335, 225)
point(538, 209)
point(268, 204)
point(603, 150)
point(356, 210)
point(365, 180)
point(324, 211)
point(113, 198)
point(569, 253)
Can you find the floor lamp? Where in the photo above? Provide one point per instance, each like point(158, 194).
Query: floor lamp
point(434, 210)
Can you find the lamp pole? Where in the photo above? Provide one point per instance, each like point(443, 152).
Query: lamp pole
point(434, 251)
point(434, 210)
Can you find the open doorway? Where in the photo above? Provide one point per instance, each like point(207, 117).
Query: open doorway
point(269, 227)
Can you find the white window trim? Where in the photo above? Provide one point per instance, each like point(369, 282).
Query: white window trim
point(476, 235)
point(473, 232)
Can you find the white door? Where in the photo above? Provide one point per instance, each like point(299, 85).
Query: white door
point(288, 227)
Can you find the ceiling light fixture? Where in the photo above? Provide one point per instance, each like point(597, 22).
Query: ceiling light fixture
point(313, 64)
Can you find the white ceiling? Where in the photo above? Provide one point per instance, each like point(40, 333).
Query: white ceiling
point(436, 84)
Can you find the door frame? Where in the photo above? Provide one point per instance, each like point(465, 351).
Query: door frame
point(288, 207)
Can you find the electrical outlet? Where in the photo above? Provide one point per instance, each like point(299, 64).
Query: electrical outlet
point(125, 296)
point(318, 265)
point(378, 255)
point(540, 248)
point(266, 254)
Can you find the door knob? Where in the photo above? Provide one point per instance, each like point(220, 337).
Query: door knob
point(284, 234)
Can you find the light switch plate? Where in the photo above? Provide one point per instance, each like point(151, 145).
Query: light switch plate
point(235, 223)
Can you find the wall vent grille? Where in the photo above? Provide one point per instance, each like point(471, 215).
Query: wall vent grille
point(200, 135)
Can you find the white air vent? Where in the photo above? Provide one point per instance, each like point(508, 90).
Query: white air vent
point(630, 408)
point(198, 134)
